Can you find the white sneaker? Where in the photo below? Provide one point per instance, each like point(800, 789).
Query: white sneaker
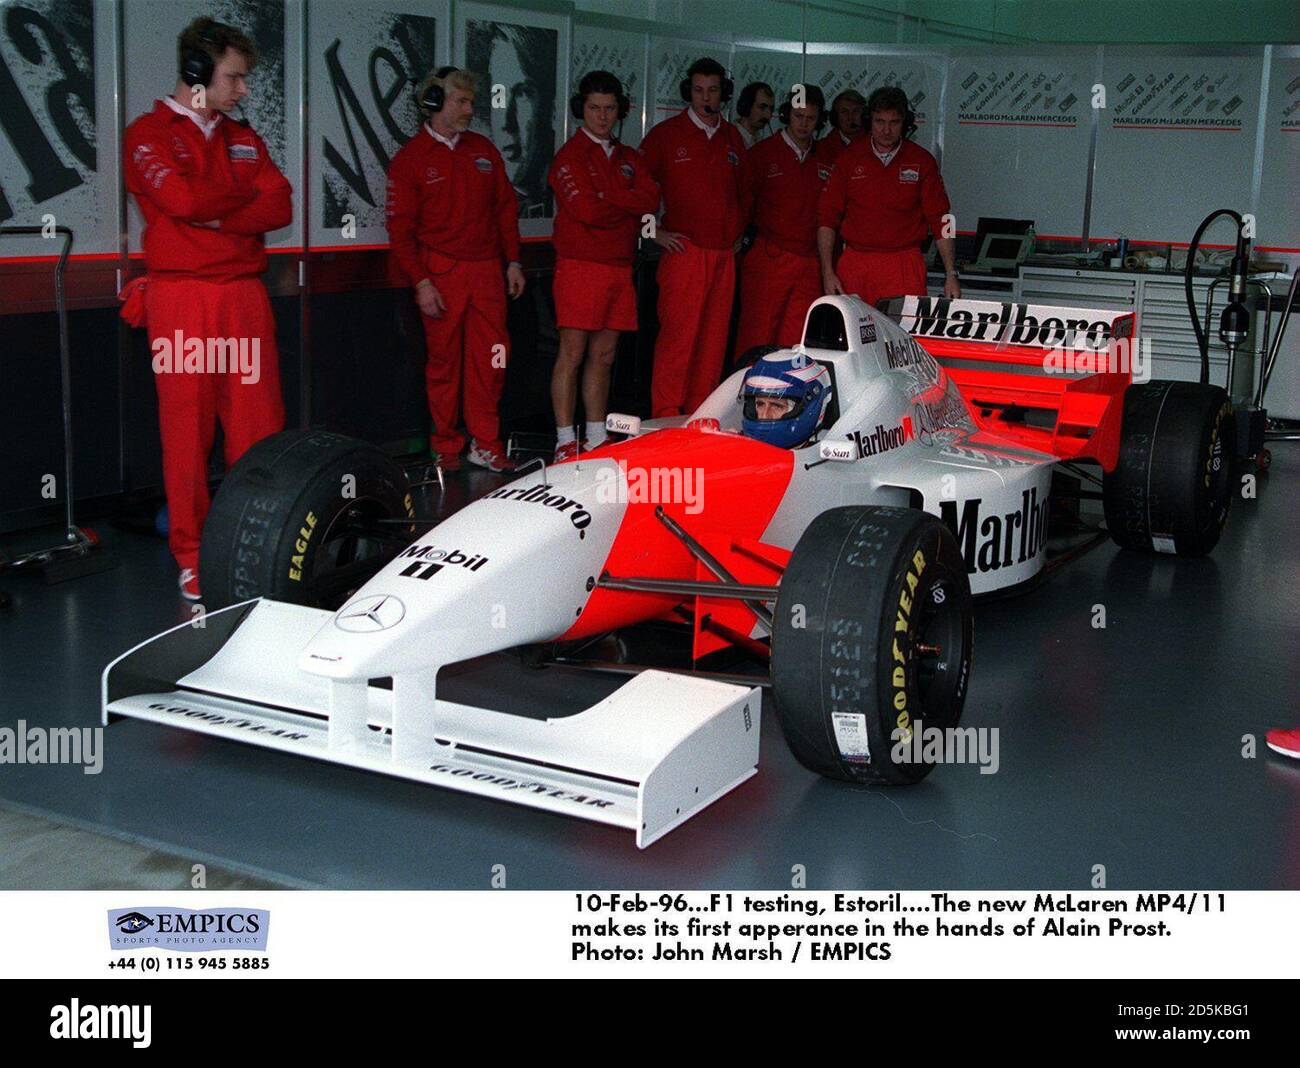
point(489, 454)
point(189, 584)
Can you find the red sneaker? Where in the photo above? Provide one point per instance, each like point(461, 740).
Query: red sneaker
point(189, 584)
point(491, 455)
point(449, 461)
point(567, 451)
point(1285, 742)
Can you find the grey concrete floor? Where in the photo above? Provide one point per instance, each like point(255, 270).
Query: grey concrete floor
point(1120, 747)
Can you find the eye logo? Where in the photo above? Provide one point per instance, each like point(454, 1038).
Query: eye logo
point(133, 922)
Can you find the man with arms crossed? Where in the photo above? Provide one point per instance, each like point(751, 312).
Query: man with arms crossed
point(209, 193)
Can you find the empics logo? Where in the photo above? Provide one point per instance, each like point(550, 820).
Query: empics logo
point(76, 1020)
point(188, 930)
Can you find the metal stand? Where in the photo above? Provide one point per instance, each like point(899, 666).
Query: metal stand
point(73, 557)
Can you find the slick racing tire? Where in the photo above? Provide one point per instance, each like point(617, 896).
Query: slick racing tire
point(1172, 485)
point(300, 518)
point(871, 639)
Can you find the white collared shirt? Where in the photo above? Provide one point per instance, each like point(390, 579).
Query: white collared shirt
point(208, 126)
point(450, 142)
point(885, 157)
point(745, 135)
point(604, 142)
point(800, 153)
point(709, 131)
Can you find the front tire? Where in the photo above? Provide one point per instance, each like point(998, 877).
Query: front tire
point(872, 638)
point(1172, 485)
point(303, 517)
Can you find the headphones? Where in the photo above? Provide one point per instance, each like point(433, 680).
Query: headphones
point(877, 102)
point(813, 97)
point(710, 68)
point(435, 96)
point(197, 64)
point(599, 81)
point(749, 96)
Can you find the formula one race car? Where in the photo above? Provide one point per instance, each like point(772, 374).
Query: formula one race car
point(849, 563)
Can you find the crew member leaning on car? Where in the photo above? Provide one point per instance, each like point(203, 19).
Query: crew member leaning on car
point(883, 192)
point(602, 191)
point(209, 192)
point(695, 157)
point(453, 220)
point(779, 185)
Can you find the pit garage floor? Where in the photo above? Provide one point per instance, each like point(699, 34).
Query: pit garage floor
point(1119, 747)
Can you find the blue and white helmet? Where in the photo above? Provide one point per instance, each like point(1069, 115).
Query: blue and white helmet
point(786, 375)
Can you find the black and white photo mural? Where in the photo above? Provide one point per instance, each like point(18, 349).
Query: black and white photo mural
point(366, 57)
point(521, 61)
point(57, 156)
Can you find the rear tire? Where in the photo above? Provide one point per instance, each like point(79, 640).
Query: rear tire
point(1172, 485)
point(868, 596)
point(295, 520)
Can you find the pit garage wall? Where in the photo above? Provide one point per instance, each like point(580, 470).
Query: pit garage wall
point(1014, 127)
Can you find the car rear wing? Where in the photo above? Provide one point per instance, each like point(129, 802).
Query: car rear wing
point(1045, 375)
point(648, 757)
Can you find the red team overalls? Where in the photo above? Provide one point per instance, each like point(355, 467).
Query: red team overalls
point(600, 201)
point(779, 275)
point(882, 212)
point(203, 286)
point(453, 218)
point(699, 177)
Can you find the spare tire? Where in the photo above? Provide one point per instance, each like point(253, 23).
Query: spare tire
point(872, 637)
point(300, 518)
point(1172, 485)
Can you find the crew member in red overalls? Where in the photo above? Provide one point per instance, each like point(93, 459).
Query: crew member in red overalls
point(603, 189)
point(780, 181)
point(453, 222)
point(695, 157)
point(208, 192)
point(846, 126)
point(883, 193)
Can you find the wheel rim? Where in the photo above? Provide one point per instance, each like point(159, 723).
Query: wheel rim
point(354, 547)
point(940, 647)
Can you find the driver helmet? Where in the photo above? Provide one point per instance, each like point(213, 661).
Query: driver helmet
point(786, 396)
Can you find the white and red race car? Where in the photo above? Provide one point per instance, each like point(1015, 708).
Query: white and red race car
point(848, 563)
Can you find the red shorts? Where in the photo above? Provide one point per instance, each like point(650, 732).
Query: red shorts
point(875, 276)
point(593, 296)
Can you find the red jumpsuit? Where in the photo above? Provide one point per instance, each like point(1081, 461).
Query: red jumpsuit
point(882, 212)
point(699, 176)
point(779, 276)
point(600, 201)
point(205, 303)
point(453, 218)
point(829, 148)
